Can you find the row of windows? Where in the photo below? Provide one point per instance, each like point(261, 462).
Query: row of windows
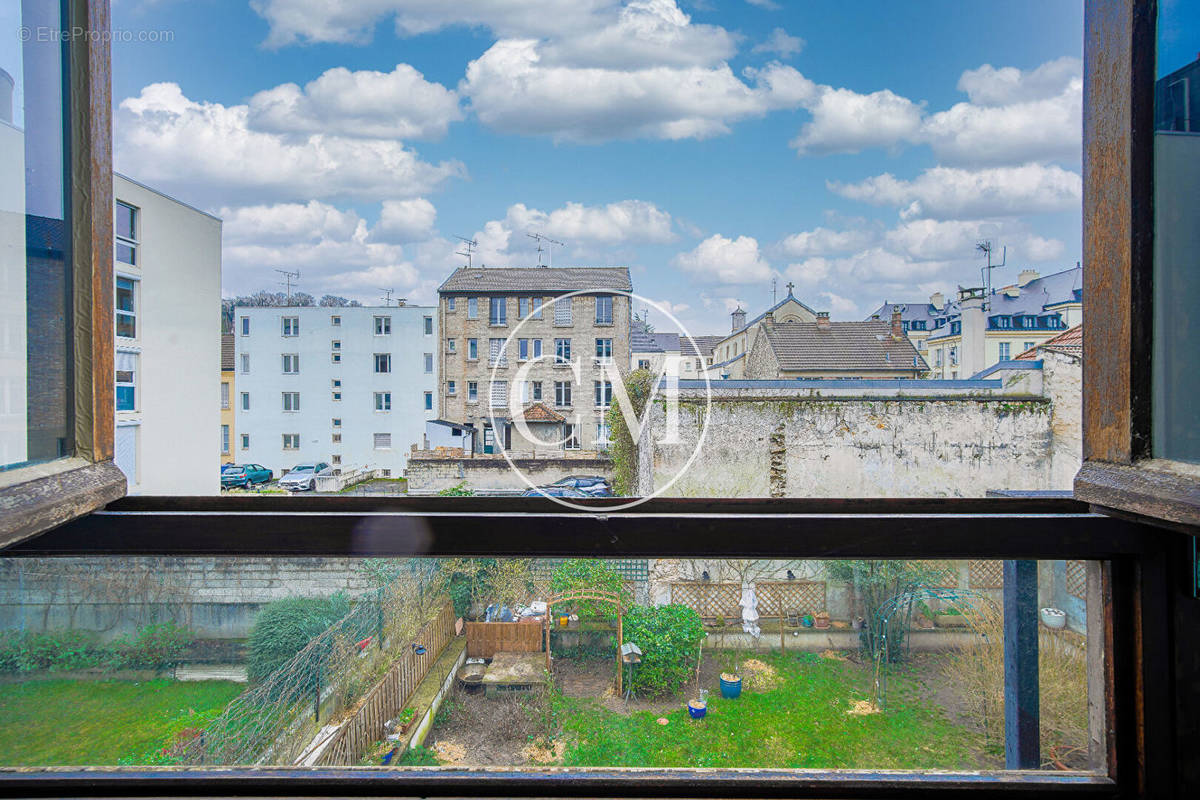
point(531, 392)
point(1027, 322)
point(531, 307)
point(291, 441)
point(291, 400)
point(291, 361)
point(381, 325)
point(526, 349)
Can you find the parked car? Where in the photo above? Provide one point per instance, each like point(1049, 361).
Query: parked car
point(303, 477)
point(554, 491)
point(244, 475)
point(590, 485)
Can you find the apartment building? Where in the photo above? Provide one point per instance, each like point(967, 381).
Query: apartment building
point(350, 386)
point(167, 269)
point(976, 330)
point(576, 321)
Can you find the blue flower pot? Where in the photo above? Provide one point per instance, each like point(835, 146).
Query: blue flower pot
point(697, 709)
point(731, 690)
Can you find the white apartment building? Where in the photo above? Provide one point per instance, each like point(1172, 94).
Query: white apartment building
point(350, 386)
point(168, 356)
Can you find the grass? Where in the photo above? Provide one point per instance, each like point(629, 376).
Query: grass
point(800, 724)
point(81, 723)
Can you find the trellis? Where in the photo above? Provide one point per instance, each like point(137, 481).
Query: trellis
point(1077, 579)
point(586, 594)
point(634, 572)
point(776, 597)
point(709, 599)
point(986, 574)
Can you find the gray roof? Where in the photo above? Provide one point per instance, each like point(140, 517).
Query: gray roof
point(704, 343)
point(845, 346)
point(654, 342)
point(538, 279)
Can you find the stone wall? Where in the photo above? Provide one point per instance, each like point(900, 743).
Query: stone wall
point(494, 474)
point(216, 597)
point(851, 442)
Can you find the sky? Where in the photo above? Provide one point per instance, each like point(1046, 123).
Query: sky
point(858, 150)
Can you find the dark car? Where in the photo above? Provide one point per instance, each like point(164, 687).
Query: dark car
point(244, 475)
point(590, 485)
point(554, 491)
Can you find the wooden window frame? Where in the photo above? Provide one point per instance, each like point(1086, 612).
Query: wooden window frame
point(38, 497)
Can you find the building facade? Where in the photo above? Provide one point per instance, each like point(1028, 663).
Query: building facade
point(350, 386)
point(831, 350)
point(167, 269)
point(228, 390)
point(976, 330)
point(576, 322)
point(726, 356)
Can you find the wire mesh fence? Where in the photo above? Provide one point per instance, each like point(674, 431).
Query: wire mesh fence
point(273, 721)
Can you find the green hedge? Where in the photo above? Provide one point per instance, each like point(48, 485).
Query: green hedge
point(284, 627)
point(669, 638)
point(159, 646)
point(588, 574)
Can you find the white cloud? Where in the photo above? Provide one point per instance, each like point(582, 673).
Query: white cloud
point(287, 222)
point(511, 90)
point(718, 259)
point(952, 193)
point(781, 43)
point(841, 307)
point(770, 5)
point(988, 86)
point(353, 21)
point(399, 104)
point(615, 223)
point(405, 221)
point(208, 153)
point(848, 122)
point(825, 242)
point(927, 239)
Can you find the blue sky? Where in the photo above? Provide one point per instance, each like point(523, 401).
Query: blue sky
point(858, 150)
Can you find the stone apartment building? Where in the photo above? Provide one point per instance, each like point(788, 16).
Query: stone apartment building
point(576, 321)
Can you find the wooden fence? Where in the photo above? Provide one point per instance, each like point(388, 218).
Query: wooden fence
point(777, 597)
point(709, 599)
point(390, 694)
point(485, 639)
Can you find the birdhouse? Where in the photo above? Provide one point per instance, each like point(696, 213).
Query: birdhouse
point(631, 653)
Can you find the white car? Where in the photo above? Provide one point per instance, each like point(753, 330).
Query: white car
point(303, 477)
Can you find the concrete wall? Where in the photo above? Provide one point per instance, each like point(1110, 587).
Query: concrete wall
point(493, 473)
point(216, 597)
point(783, 442)
point(176, 428)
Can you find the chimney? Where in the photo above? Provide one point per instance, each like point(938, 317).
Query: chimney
point(822, 320)
point(739, 319)
point(1027, 275)
point(897, 325)
point(937, 300)
point(769, 319)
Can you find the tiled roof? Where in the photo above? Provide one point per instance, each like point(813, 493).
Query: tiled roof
point(704, 343)
point(538, 279)
point(852, 346)
point(540, 412)
point(227, 355)
point(654, 342)
point(1070, 341)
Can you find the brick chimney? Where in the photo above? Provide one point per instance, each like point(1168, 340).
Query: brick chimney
point(897, 325)
point(822, 320)
point(1027, 275)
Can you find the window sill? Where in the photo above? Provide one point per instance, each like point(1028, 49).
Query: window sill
point(1166, 490)
point(41, 496)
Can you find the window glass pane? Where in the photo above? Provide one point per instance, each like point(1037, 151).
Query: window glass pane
point(35, 320)
point(1176, 362)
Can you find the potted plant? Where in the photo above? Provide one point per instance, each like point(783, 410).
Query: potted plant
point(731, 677)
point(697, 708)
point(806, 621)
point(406, 719)
point(821, 620)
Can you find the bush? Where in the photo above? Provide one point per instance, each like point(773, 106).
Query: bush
point(669, 638)
point(54, 650)
point(589, 574)
point(283, 628)
point(417, 756)
point(159, 646)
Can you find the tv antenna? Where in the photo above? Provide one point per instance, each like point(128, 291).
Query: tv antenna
point(985, 272)
point(549, 242)
point(468, 251)
point(288, 277)
point(774, 291)
point(387, 297)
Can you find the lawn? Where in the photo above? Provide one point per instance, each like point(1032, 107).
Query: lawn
point(63, 722)
point(803, 722)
